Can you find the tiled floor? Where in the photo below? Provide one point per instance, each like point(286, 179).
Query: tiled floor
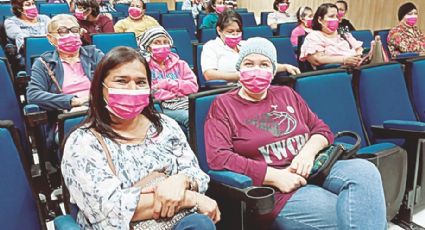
point(418, 218)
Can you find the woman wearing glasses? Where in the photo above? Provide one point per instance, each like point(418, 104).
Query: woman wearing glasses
point(61, 78)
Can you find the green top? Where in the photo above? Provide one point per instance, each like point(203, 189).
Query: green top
point(210, 21)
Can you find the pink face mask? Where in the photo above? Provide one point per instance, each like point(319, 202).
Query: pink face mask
point(232, 40)
point(340, 14)
point(134, 12)
point(31, 12)
point(332, 24)
point(80, 15)
point(126, 103)
point(309, 23)
point(70, 43)
point(256, 80)
point(220, 8)
point(283, 7)
point(160, 52)
point(411, 20)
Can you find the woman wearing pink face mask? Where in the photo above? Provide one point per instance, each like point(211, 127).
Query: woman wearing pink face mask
point(219, 56)
point(325, 46)
point(215, 7)
point(281, 14)
point(269, 134)
point(123, 146)
point(88, 15)
point(61, 78)
point(172, 79)
point(406, 37)
point(136, 21)
point(305, 22)
point(345, 25)
point(26, 23)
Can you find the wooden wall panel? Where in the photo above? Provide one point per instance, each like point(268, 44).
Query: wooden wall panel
point(364, 14)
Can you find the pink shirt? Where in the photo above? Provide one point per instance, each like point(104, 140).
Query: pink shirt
point(75, 81)
point(337, 46)
point(298, 31)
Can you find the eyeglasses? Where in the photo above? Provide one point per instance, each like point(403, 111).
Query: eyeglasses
point(64, 30)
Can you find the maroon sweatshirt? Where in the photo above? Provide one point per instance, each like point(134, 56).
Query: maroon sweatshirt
point(103, 24)
point(245, 137)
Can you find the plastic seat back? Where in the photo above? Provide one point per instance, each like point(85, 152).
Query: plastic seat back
point(329, 94)
point(35, 47)
point(18, 207)
point(382, 94)
point(56, 8)
point(263, 17)
point(179, 21)
point(248, 19)
point(157, 6)
point(199, 105)
point(154, 14)
point(285, 51)
point(183, 44)
point(178, 5)
point(108, 41)
point(205, 35)
point(364, 36)
point(257, 31)
point(5, 11)
point(285, 29)
point(416, 84)
point(123, 8)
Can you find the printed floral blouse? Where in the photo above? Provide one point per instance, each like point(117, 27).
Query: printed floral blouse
point(405, 39)
point(107, 201)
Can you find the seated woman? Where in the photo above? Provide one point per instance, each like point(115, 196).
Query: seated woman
point(172, 79)
point(345, 25)
point(325, 46)
point(88, 14)
point(280, 14)
point(219, 56)
point(215, 7)
point(274, 141)
point(26, 23)
point(196, 6)
point(406, 37)
point(305, 22)
point(61, 79)
point(127, 164)
point(137, 21)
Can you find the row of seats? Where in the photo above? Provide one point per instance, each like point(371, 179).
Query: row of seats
point(362, 102)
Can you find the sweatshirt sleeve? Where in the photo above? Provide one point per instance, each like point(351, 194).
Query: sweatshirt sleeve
point(187, 83)
point(314, 123)
point(219, 147)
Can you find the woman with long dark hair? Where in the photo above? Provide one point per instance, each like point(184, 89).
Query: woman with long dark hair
point(122, 162)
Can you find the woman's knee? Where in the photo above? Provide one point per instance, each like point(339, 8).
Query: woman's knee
point(360, 169)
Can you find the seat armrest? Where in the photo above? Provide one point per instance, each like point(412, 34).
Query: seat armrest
point(230, 178)
point(380, 132)
point(66, 222)
point(405, 125)
point(34, 115)
point(236, 186)
point(214, 84)
point(406, 55)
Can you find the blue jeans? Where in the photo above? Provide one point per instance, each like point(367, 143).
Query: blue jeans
point(195, 221)
point(179, 115)
point(352, 197)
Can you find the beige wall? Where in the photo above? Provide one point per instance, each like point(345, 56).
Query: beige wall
point(364, 14)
